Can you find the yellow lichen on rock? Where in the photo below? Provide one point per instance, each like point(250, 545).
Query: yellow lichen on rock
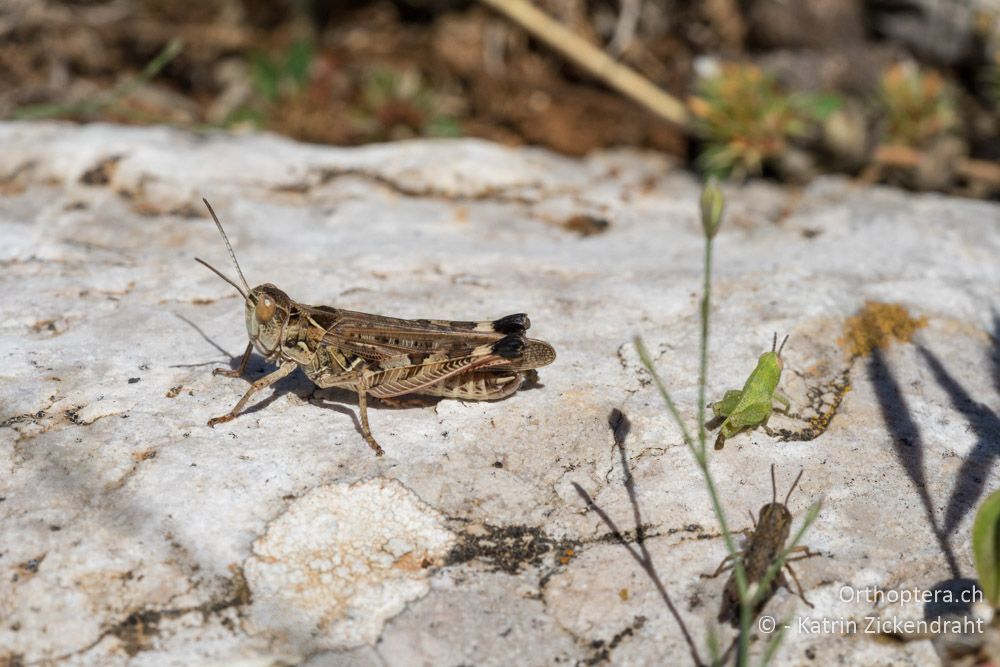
point(877, 325)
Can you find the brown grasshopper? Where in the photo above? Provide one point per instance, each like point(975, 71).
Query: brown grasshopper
point(765, 542)
point(381, 356)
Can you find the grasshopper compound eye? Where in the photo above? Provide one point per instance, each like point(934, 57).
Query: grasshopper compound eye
point(264, 309)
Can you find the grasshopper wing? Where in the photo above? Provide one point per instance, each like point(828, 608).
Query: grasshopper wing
point(378, 339)
point(408, 356)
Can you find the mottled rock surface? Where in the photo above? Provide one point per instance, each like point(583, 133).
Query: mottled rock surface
point(133, 533)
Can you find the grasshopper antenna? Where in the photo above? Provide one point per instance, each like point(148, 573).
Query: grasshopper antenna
point(774, 487)
point(782, 347)
point(221, 275)
point(794, 484)
point(231, 253)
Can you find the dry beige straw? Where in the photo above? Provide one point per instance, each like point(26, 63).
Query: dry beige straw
point(623, 79)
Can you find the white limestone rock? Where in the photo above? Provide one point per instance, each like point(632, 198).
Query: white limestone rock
point(133, 533)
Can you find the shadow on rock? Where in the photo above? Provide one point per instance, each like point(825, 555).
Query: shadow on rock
point(233, 361)
point(985, 424)
point(620, 427)
point(906, 442)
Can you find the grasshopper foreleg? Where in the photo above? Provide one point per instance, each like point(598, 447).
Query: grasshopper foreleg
point(802, 553)
point(724, 566)
point(265, 381)
point(238, 371)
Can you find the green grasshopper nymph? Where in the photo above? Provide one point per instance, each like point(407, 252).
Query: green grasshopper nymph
point(381, 356)
point(751, 406)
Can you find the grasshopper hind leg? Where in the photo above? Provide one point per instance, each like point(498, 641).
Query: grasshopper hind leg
point(366, 430)
point(729, 401)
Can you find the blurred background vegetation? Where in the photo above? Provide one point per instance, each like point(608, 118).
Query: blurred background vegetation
point(899, 91)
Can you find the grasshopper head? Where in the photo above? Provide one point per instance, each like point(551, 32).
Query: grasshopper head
point(774, 356)
point(775, 515)
point(267, 307)
point(267, 312)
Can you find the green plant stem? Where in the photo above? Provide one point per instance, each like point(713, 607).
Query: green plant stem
point(152, 68)
point(746, 608)
point(700, 451)
point(706, 302)
point(671, 408)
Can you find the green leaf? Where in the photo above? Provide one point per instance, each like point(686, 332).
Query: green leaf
point(444, 126)
point(986, 547)
point(265, 77)
point(299, 61)
point(244, 114)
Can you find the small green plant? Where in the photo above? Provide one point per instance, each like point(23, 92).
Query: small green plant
point(275, 79)
point(286, 75)
point(986, 548)
point(398, 104)
point(918, 106)
point(712, 206)
point(747, 120)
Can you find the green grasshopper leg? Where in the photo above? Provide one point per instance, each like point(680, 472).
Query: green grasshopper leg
point(748, 417)
point(725, 407)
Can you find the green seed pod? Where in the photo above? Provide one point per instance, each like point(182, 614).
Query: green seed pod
point(712, 204)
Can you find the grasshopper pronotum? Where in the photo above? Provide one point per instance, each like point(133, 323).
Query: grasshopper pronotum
point(381, 356)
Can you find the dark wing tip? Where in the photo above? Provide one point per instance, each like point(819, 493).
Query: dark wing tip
point(510, 346)
point(512, 324)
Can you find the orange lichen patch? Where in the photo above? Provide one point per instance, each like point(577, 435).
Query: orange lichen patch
point(144, 455)
point(877, 325)
point(623, 594)
point(566, 556)
point(414, 562)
